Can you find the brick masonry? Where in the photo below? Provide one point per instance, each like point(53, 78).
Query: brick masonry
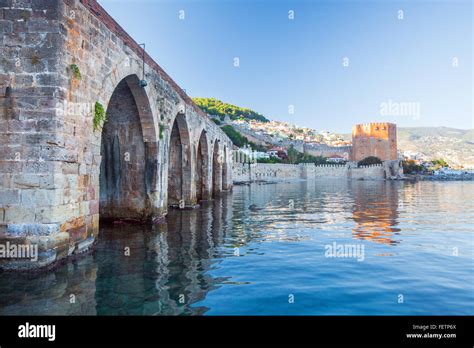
point(51, 156)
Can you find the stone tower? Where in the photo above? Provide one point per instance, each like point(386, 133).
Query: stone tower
point(374, 139)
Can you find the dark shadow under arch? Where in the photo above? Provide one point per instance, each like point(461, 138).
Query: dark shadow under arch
point(179, 165)
point(127, 170)
point(202, 169)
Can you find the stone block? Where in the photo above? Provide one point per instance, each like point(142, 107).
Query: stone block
point(17, 14)
point(6, 3)
point(94, 207)
point(6, 181)
point(6, 26)
point(32, 229)
point(43, 26)
point(70, 168)
point(18, 214)
point(54, 214)
point(55, 181)
point(42, 197)
point(8, 197)
point(12, 39)
point(73, 224)
point(50, 79)
point(39, 167)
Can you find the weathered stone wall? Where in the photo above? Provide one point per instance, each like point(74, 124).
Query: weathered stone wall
point(50, 152)
point(374, 139)
point(245, 172)
point(264, 171)
point(327, 151)
point(330, 171)
point(373, 172)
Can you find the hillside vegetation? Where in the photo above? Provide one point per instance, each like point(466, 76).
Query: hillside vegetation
point(213, 106)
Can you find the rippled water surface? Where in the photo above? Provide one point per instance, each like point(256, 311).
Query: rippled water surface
point(262, 251)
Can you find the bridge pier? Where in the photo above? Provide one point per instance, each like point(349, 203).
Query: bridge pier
point(61, 168)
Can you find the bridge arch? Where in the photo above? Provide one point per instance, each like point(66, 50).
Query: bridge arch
point(128, 164)
point(143, 95)
point(203, 182)
point(180, 161)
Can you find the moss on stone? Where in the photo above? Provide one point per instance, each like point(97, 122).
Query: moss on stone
point(99, 116)
point(75, 71)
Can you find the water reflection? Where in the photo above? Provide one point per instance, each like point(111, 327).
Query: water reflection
point(135, 270)
point(189, 265)
point(375, 211)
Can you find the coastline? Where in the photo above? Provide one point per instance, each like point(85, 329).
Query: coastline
point(406, 177)
point(422, 177)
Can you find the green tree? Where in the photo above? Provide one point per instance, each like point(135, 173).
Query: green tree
point(237, 138)
point(369, 161)
point(440, 163)
point(293, 155)
point(271, 160)
point(213, 106)
point(410, 167)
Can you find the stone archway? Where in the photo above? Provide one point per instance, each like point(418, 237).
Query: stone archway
point(216, 170)
point(127, 169)
point(179, 165)
point(203, 190)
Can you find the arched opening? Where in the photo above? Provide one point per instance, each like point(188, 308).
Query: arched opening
point(179, 167)
point(216, 170)
point(202, 169)
point(126, 170)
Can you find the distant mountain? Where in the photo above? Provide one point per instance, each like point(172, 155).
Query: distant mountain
point(456, 146)
point(217, 107)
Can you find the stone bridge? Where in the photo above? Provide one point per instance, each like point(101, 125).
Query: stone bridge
point(65, 64)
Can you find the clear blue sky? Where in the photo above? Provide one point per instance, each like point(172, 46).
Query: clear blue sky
point(300, 62)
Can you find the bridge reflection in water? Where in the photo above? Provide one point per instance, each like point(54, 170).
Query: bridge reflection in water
point(166, 269)
point(135, 270)
point(246, 251)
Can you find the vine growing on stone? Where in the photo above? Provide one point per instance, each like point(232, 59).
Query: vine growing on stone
point(99, 116)
point(75, 71)
point(162, 128)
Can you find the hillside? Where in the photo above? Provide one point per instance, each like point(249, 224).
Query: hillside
point(456, 146)
point(217, 107)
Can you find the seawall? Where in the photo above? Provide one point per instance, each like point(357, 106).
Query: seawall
point(251, 172)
